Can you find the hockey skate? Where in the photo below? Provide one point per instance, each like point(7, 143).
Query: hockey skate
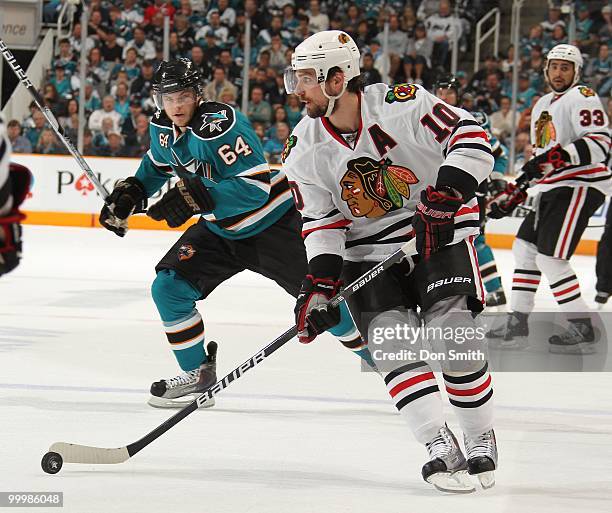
point(578, 339)
point(601, 298)
point(481, 452)
point(495, 298)
point(181, 390)
point(447, 469)
point(513, 334)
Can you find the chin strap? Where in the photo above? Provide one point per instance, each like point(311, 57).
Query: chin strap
point(332, 99)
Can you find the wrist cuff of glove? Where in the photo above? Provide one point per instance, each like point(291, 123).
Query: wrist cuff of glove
point(326, 266)
point(132, 180)
point(465, 183)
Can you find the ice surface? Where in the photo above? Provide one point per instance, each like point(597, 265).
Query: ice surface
point(305, 431)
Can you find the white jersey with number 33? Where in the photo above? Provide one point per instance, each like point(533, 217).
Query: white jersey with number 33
point(357, 193)
point(576, 117)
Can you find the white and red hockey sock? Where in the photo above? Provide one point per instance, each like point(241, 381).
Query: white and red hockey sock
point(471, 397)
point(416, 395)
point(526, 277)
point(563, 283)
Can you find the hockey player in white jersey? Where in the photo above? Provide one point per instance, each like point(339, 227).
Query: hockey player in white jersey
point(569, 131)
point(369, 170)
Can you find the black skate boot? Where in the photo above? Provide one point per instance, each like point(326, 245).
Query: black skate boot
point(495, 298)
point(601, 298)
point(512, 335)
point(447, 469)
point(179, 391)
point(481, 452)
point(578, 339)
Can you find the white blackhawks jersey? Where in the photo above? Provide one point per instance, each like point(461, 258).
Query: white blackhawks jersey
point(357, 200)
point(578, 115)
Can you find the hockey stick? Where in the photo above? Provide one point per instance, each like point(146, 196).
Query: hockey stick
point(61, 452)
point(57, 128)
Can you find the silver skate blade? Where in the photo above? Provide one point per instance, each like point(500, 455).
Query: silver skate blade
point(162, 402)
point(457, 482)
point(581, 348)
point(487, 479)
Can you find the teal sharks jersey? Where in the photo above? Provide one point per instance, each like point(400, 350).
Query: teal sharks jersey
point(220, 147)
point(499, 151)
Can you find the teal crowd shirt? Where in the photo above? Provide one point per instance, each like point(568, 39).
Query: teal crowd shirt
point(222, 149)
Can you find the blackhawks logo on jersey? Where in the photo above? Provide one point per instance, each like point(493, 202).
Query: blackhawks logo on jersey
point(371, 188)
point(289, 145)
point(401, 93)
point(544, 130)
point(586, 91)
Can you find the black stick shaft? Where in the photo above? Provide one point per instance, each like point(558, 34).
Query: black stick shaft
point(57, 128)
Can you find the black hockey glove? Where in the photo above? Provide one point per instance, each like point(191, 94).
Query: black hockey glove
point(555, 158)
point(19, 182)
point(496, 184)
point(433, 221)
point(187, 198)
point(312, 314)
point(504, 203)
point(128, 196)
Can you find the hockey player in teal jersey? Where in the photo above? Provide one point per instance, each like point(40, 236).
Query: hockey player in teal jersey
point(447, 89)
point(247, 220)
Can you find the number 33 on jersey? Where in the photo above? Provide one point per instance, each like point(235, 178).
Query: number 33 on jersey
point(357, 194)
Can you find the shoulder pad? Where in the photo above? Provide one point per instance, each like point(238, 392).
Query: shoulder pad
point(161, 120)
point(212, 120)
point(585, 91)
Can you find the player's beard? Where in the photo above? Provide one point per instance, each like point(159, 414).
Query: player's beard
point(316, 111)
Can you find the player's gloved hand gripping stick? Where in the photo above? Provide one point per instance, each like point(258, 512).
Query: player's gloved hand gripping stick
point(61, 452)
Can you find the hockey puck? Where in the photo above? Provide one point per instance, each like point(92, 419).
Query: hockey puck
point(52, 463)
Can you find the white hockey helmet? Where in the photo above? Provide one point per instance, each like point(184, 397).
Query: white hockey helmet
point(568, 53)
point(322, 52)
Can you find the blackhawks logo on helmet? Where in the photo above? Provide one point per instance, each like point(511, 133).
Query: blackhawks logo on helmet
point(586, 91)
point(401, 93)
point(289, 145)
point(545, 130)
point(372, 188)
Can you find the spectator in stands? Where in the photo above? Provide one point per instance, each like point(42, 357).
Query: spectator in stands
point(132, 12)
point(33, 133)
point(523, 151)
point(143, 84)
point(280, 116)
point(19, 143)
point(96, 28)
point(585, 38)
point(369, 74)
point(227, 14)
point(121, 28)
point(140, 142)
point(260, 131)
point(115, 147)
point(219, 82)
point(277, 53)
point(98, 69)
point(54, 101)
point(352, 18)
point(65, 57)
point(259, 110)
point(535, 68)
point(488, 97)
point(214, 27)
point(122, 100)
point(317, 21)
point(278, 95)
point(507, 63)
point(605, 31)
point(163, 7)
point(273, 147)
point(442, 28)
point(524, 123)
point(362, 37)
point(600, 71)
point(427, 8)
point(558, 37)
point(554, 20)
point(67, 121)
point(260, 79)
point(155, 29)
point(75, 40)
point(418, 56)
point(48, 144)
point(61, 82)
point(228, 96)
point(128, 128)
point(199, 60)
point(501, 120)
point(491, 65)
point(535, 37)
point(398, 43)
point(145, 49)
point(210, 47)
point(293, 108)
point(233, 73)
point(88, 147)
point(111, 51)
point(409, 21)
point(92, 98)
point(106, 112)
point(51, 10)
point(275, 27)
point(184, 32)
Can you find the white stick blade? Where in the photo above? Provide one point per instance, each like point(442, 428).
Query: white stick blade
point(74, 453)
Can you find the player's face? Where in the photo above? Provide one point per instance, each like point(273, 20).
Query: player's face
point(180, 106)
point(448, 95)
point(560, 74)
point(309, 92)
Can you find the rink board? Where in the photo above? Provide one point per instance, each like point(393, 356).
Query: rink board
point(62, 195)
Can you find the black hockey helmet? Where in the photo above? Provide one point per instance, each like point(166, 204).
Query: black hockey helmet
point(447, 81)
point(175, 75)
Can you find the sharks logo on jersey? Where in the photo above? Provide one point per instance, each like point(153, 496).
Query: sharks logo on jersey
point(191, 166)
point(214, 120)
